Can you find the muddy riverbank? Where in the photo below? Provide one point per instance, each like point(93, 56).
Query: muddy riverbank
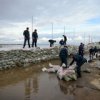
point(31, 83)
point(26, 81)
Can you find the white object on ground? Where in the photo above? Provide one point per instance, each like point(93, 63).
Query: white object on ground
point(66, 74)
point(63, 65)
point(44, 69)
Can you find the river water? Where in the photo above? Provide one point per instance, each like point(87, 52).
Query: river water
point(33, 84)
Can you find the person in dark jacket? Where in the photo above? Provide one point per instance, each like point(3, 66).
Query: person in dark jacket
point(95, 51)
point(65, 39)
point(51, 41)
point(79, 62)
point(91, 53)
point(34, 38)
point(63, 55)
point(61, 42)
point(26, 37)
point(81, 49)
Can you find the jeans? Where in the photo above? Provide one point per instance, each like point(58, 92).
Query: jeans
point(34, 42)
point(28, 40)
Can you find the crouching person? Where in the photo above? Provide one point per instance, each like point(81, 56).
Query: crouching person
point(79, 62)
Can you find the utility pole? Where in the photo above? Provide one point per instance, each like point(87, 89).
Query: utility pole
point(89, 38)
point(32, 23)
point(84, 38)
point(64, 30)
point(52, 30)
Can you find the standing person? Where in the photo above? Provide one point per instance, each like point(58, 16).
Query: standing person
point(79, 62)
point(95, 51)
point(81, 49)
point(34, 38)
point(65, 39)
point(26, 37)
point(63, 55)
point(91, 53)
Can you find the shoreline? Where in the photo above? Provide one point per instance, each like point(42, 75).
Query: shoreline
point(27, 57)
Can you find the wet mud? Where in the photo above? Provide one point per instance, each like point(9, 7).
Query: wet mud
point(33, 84)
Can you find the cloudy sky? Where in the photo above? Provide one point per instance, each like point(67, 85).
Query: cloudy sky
point(78, 19)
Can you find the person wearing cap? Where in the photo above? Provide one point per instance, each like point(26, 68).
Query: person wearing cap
point(26, 37)
point(34, 38)
point(79, 62)
point(63, 55)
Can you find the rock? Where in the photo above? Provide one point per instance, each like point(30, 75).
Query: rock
point(23, 58)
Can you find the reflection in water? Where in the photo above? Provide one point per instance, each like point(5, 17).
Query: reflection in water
point(67, 88)
point(31, 84)
point(27, 89)
point(35, 84)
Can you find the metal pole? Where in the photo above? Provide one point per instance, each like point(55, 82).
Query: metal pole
point(84, 38)
point(32, 23)
point(52, 30)
point(64, 30)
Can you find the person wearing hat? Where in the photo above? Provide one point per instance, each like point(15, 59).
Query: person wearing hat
point(63, 55)
point(26, 37)
point(34, 38)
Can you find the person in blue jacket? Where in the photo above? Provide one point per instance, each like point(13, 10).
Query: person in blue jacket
point(61, 42)
point(79, 62)
point(63, 55)
point(34, 38)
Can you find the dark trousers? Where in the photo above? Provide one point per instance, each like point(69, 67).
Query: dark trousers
point(81, 53)
point(64, 42)
point(78, 71)
point(34, 42)
point(63, 60)
point(28, 40)
point(51, 44)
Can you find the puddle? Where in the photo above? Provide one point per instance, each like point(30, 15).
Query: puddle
point(33, 84)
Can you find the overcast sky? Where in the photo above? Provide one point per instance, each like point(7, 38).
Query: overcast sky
point(79, 18)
